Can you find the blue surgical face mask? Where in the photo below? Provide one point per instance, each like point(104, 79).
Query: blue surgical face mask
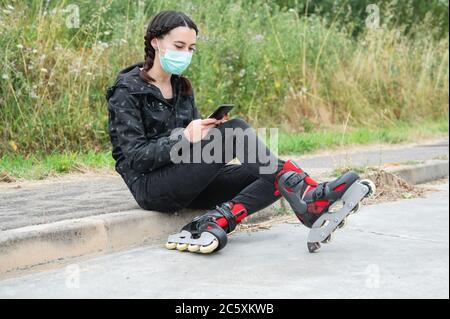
point(174, 62)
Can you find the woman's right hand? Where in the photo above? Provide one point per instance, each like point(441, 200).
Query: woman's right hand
point(198, 129)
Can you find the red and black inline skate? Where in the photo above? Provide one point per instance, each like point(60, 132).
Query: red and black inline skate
point(322, 207)
point(208, 233)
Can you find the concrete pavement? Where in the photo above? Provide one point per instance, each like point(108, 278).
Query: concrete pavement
point(389, 250)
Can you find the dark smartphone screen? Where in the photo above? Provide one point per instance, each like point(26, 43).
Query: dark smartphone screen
point(221, 111)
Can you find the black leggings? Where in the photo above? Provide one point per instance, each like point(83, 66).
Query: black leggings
point(205, 185)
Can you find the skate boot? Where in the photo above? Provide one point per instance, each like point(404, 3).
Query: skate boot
point(208, 233)
point(322, 207)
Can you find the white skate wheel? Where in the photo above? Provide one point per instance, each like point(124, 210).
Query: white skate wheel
point(355, 209)
point(194, 248)
point(371, 185)
point(209, 248)
point(313, 247)
point(182, 247)
point(328, 239)
point(343, 223)
point(171, 245)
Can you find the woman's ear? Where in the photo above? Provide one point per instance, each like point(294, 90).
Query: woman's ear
point(154, 45)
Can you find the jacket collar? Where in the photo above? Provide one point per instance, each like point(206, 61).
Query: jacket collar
point(136, 85)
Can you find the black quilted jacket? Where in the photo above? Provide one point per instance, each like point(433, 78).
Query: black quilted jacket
point(141, 123)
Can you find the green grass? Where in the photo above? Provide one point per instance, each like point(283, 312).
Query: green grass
point(36, 167)
point(40, 166)
point(301, 143)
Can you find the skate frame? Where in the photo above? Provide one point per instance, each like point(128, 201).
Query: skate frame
point(185, 237)
point(328, 222)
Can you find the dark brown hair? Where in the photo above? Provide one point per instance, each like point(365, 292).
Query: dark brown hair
point(161, 24)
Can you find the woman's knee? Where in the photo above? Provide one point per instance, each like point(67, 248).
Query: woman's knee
point(237, 123)
point(229, 129)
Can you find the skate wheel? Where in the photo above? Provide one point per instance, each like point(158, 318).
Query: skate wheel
point(171, 245)
point(209, 248)
point(182, 247)
point(328, 239)
point(194, 248)
point(313, 247)
point(371, 185)
point(343, 223)
point(355, 209)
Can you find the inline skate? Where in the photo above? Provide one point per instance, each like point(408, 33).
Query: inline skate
point(321, 207)
point(208, 233)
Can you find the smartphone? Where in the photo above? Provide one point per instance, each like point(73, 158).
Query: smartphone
point(221, 111)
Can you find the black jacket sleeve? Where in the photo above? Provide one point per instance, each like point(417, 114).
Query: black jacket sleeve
point(196, 114)
point(141, 153)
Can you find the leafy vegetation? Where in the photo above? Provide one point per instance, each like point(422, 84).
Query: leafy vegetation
point(306, 67)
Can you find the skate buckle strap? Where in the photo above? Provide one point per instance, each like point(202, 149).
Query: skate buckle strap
point(295, 179)
point(226, 212)
point(319, 191)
